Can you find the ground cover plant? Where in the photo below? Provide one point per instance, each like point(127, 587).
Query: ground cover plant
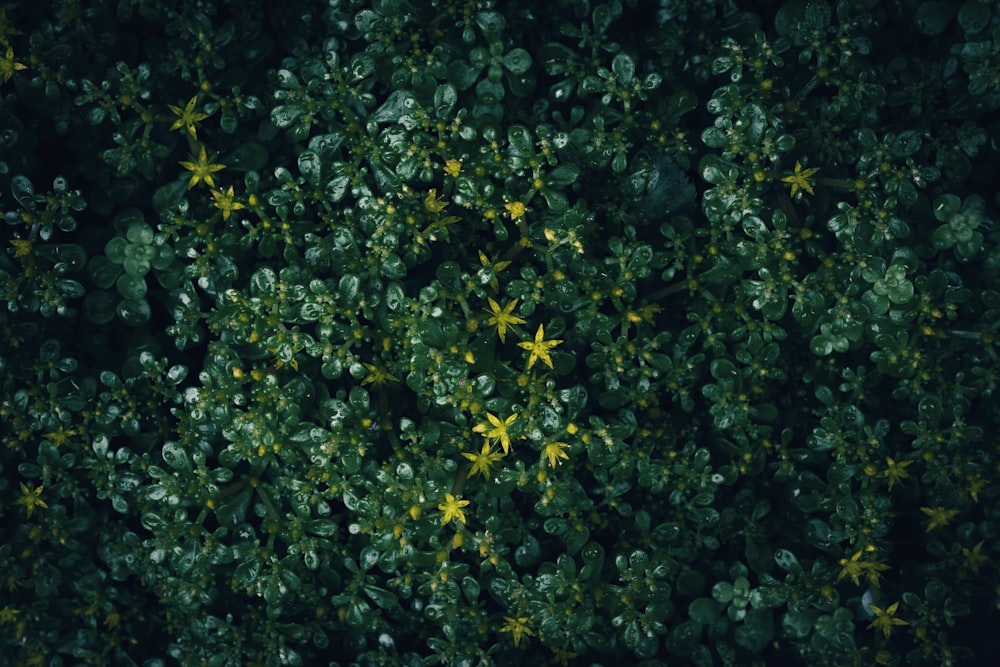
point(493, 333)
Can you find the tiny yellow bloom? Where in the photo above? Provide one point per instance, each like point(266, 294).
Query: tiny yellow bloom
point(378, 376)
point(555, 451)
point(187, 117)
point(31, 498)
point(516, 209)
point(61, 436)
point(517, 627)
point(8, 614)
point(8, 66)
point(974, 558)
point(855, 568)
point(503, 317)
point(453, 167)
point(539, 348)
point(482, 463)
point(896, 472)
point(452, 508)
point(939, 516)
point(496, 267)
point(225, 203)
point(884, 619)
point(202, 170)
point(495, 430)
point(800, 179)
point(22, 247)
point(433, 203)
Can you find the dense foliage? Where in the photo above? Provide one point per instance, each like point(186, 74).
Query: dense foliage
point(468, 332)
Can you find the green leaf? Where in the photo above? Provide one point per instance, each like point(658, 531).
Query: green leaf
point(23, 191)
point(398, 104)
point(974, 16)
point(520, 140)
point(462, 73)
point(134, 312)
point(562, 175)
point(114, 249)
point(684, 637)
point(517, 61)
point(310, 166)
point(131, 286)
point(787, 561)
point(140, 233)
point(624, 68)
point(250, 156)
point(722, 592)
point(103, 272)
point(490, 22)
point(175, 456)
point(445, 98)
point(393, 267)
point(933, 17)
point(168, 196)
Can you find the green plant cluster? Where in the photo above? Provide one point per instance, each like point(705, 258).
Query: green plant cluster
point(468, 332)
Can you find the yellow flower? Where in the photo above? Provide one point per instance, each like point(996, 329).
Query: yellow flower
point(539, 348)
point(31, 498)
point(452, 508)
point(554, 452)
point(974, 558)
point(496, 430)
point(855, 568)
point(224, 202)
point(453, 167)
point(800, 179)
point(8, 614)
point(516, 209)
point(378, 376)
point(517, 627)
point(884, 619)
point(502, 318)
point(61, 436)
point(896, 472)
point(202, 170)
point(482, 463)
point(22, 247)
point(433, 203)
point(187, 117)
point(8, 66)
point(939, 516)
point(496, 267)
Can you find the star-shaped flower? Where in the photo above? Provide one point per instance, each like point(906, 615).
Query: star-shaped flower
point(31, 498)
point(452, 508)
point(539, 348)
point(517, 627)
point(502, 318)
point(555, 451)
point(496, 430)
point(8, 66)
point(202, 170)
point(187, 117)
point(939, 517)
point(225, 202)
point(800, 179)
point(482, 463)
point(516, 209)
point(884, 619)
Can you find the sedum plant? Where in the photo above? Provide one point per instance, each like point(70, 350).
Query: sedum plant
point(474, 333)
